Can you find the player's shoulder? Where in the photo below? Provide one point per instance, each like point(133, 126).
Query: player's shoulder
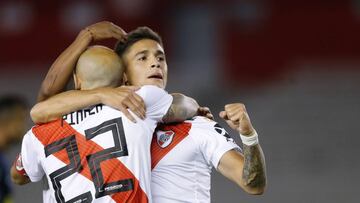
point(31, 133)
point(201, 123)
point(207, 129)
point(44, 127)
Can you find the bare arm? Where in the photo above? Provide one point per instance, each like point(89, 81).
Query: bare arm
point(61, 70)
point(247, 170)
point(67, 102)
point(62, 104)
point(254, 171)
point(182, 108)
point(121, 98)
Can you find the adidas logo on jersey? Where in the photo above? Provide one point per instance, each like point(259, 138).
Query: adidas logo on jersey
point(164, 138)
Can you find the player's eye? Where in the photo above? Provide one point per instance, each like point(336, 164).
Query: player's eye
point(161, 58)
point(143, 58)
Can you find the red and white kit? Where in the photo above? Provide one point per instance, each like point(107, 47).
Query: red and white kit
point(182, 158)
point(96, 154)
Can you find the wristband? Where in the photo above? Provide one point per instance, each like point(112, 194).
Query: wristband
point(19, 166)
point(250, 140)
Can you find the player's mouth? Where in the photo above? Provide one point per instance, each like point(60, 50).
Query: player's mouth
point(156, 76)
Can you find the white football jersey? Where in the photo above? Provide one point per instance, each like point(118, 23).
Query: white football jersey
point(182, 158)
point(96, 154)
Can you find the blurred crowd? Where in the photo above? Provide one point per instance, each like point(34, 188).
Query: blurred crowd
point(13, 117)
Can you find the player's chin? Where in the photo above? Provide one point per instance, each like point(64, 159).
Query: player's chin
point(156, 82)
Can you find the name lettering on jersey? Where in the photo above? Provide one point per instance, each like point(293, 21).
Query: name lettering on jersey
point(223, 132)
point(76, 117)
point(164, 138)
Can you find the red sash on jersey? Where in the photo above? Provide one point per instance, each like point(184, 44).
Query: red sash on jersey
point(178, 133)
point(112, 169)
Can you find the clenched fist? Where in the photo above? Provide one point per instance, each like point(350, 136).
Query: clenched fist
point(237, 118)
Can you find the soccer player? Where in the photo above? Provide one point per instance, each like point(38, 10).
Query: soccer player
point(96, 154)
point(183, 154)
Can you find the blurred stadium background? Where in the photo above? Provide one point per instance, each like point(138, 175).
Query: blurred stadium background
point(295, 64)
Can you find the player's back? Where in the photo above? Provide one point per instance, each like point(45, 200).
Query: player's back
point(93, 155)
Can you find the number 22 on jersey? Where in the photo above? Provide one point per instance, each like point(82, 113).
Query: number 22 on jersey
point(94, 156)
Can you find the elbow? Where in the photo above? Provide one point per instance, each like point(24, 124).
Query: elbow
point(37, 115)
point(256, 191)
point(253, 188)
point(44, 94)
point(187, 104)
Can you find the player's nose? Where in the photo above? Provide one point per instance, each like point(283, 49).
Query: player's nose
point(155, 65)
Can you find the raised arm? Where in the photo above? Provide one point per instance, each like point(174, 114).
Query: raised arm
point(61, 70)
point(247, 170)
point(182, 108)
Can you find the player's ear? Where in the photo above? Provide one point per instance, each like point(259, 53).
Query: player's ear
point(77, 82)
point(124, 80)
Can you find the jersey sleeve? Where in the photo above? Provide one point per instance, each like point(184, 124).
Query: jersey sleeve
point(30, 157)
point(215, 142)
point(157, 101)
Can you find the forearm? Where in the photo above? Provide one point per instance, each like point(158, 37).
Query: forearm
point(61, 70)
point(182, 108)
point(254, 170)
point(64, 103)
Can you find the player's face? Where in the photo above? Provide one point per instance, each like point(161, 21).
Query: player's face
point(146, 64)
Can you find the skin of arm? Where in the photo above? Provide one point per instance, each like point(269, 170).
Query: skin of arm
point(67, 102)
point(60, 73)
point(61, 70)
point(62, 104)
point(248, 170)
point(182, 108)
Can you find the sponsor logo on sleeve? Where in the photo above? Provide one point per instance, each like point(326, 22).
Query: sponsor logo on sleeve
point(164, 138)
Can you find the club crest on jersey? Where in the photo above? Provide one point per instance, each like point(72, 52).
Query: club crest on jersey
point(164, 138)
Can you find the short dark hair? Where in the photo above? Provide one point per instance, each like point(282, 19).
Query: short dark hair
point(137, 35)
